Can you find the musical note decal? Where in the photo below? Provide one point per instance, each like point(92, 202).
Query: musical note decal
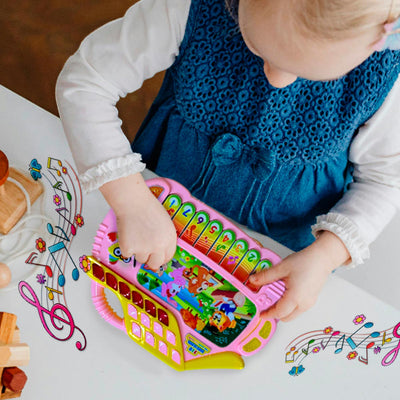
point(58, 312)
point(357, 344)
point(48, 298)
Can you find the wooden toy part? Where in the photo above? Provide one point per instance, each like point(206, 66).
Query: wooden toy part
point(14, 379)
point(12, 353)
point(12, 201)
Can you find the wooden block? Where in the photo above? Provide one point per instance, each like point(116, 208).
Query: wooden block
point(19, 355)
point(8, 323)
point(12, 200)
point(17, 336)
point(14, 379)
point(9, 394)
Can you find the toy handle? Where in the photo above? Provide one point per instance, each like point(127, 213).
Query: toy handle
point(104, 309)
point(269, 294)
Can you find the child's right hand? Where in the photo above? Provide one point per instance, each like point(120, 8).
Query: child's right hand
point(145, 229)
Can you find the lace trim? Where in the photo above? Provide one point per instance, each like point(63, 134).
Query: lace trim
point(110, 170)
point(348, 232)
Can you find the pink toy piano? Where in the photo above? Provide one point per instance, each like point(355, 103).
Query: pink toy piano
point(198, 310)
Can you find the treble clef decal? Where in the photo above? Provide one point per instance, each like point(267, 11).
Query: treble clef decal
point(59, 315)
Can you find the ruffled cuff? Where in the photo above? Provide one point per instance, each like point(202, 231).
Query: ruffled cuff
point(349, 234)
point(110, 170)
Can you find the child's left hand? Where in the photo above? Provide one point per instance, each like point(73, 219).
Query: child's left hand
point(304, 274)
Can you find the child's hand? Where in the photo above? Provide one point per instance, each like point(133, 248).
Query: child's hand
point(304, 274)
point(145, 229)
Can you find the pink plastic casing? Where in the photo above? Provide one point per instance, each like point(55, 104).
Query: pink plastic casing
point(263, 299)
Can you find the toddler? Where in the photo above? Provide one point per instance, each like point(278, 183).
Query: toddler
point(282, 114)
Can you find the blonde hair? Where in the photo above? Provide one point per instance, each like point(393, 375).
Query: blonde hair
point(336, 19)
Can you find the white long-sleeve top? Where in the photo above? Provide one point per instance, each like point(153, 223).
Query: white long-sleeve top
point(115, 60)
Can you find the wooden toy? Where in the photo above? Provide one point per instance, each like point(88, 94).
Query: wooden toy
point(12, 199)
point(198, 310)
point(12, 354)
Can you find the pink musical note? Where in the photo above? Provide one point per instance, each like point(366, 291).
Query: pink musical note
point(392, 355)
point(64, 318)
point(30, 260)
point(333, 334)
point(73, 229)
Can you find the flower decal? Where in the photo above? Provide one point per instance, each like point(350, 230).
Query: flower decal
point(328, 330)
point(79, 220)
point(41, 279)
point(352, 355)
point(56, 199)
point(316, 349)
point(84, 263)
point(359, 319)
point(64, 170)
point(377, 350)
point(41, 245)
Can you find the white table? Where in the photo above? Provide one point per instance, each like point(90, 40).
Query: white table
point(112, 366)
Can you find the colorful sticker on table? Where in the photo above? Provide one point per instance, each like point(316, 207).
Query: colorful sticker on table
point(172, 204)
point(183, 217)
point(235, 255)
point(49, 294)
point(208, 237)
point(207, 302)
point(195, 227)
point(222, 245)
point(363, 344)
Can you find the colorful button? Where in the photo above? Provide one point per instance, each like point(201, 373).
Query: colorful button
point(111, 281)
point(265, 330)
point(150, 308)
point(149, 339)
point(137, 299)
point(163, 317)
point(176, 356)
point(124, 290)
point(145, 320)
point(157, 328)
point(132, 311)
point(171, 338)
point(162, 347)
point(98, 272)
point(136, 330)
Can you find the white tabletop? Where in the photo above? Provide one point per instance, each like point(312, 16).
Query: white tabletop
point(112, 366)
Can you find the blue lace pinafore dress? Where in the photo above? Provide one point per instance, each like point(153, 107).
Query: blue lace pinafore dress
point(272, 159)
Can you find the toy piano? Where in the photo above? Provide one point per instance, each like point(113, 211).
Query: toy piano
point(198, 310)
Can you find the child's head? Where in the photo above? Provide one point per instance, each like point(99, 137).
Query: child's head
point(312, 39)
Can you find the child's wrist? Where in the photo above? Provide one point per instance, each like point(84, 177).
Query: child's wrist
point(332, 249)
point(121, 194)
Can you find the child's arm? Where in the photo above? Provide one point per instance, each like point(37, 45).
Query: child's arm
point(344, 234)
point(111, 62)
point(145, 229)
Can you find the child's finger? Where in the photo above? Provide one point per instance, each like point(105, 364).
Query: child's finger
point(268, 275)
point(283, 308)
point(292, 315)
point(155, 261)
